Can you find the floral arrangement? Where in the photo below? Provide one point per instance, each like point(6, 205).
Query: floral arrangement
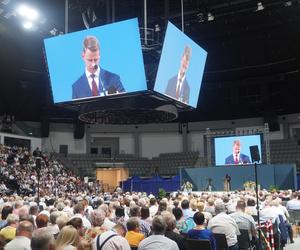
point(187, 186)
point(249, 185)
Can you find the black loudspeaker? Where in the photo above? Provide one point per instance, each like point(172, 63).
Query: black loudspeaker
point(272, 119)
point(45, 127)
point(79, 130)
point(254, 153)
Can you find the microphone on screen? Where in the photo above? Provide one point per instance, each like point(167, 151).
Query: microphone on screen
point(95, 67)
point(112, 90)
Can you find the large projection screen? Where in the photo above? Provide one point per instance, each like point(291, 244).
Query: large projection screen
point(181, 67)
point(235, 150)
point(120, 64)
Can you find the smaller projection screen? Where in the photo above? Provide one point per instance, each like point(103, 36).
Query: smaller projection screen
point(181, 67)
point(110, 62)
point(235, 150)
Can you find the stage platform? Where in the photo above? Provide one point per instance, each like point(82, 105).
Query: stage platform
point(280, 176)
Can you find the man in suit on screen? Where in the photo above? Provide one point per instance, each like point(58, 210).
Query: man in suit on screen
point(178, 86)
point(237, 157)
point(95, 81)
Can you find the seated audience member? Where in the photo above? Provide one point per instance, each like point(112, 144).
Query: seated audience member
point(34, 212)
point(78, 225)
point(282, 211)
point(229, 204)
point(186, 210)
point(153, 207)
point(9, 232)
point(67, 239)
point(268, 212)
point(23, 237)
point(145, 229)
point(224, 224)
point(2, 242)
point(23, 213)
point(42, 239)
point(61, 221)
point(207, 215)
point(6, 210)
point(41, 220)
point(145, 215)
point(182, 225)
point(210, 207)
point(171, 231)
point(133, 235)
point(80, 213)
point(97, 219)
point(200, 232)
point(112, 239)
point(244, 221)
point(157, 240)
point(294, 203)
point(251, 207)
point(107, 224)
point(53, 227)
point(120, 215)
point(162, 206)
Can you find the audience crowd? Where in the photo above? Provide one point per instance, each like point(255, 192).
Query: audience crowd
point(71, 214)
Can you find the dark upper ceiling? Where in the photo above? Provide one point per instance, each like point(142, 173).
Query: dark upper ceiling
point(253, 56)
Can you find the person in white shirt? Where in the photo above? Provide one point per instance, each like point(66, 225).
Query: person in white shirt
point(79, 213)
point(224, 224)
point(112, 239)
point(157, 240)
point(23, 237)
point(268, 212)
point(293, 204)
point(153, 207)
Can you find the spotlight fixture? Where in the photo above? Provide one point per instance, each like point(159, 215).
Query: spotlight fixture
point(157, 28)
point(53, 32)
point(27, 25)
point(288, 3)
point(200, 17)
point(260, 6)
point(210, 17)
point(27, 12)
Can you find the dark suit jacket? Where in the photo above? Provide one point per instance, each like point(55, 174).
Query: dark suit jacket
point(184, 93)
point(111, 82)
point(244, 159)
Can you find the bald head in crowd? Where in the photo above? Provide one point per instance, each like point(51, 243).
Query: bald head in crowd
point(25, 228)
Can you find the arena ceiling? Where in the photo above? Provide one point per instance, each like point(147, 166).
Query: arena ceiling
point(253, 55)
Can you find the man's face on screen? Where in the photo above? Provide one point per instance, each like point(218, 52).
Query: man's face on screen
point(91, 58)
point(236, 147)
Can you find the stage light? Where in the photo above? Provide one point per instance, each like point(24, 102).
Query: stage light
point(210, 17)
point(27, 12)
point(200, 17)
point(27, 25)
point(260, 6)
point(157, 28)
point(288, 3)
